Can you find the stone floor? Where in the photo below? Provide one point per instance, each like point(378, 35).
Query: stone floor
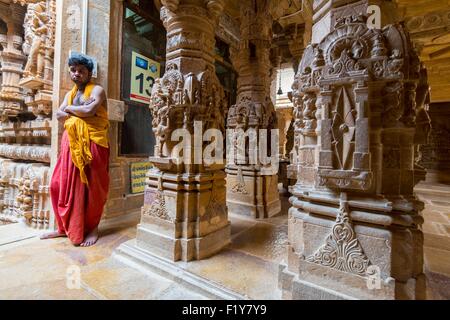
point(34, 269)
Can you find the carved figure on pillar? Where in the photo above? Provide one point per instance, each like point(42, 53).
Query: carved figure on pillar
point(36, 32)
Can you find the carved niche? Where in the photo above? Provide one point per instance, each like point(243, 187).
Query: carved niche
point(353, 75)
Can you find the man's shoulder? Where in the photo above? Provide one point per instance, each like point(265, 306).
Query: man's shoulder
point(98, 88)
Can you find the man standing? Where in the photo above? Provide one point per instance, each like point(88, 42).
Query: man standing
point(80, 181)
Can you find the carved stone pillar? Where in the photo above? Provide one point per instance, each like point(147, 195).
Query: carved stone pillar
point(252, 187)
point(354, 224)
point(39, 27)
point(184, 216)
point(25, 142)
point(435, 156)
point(11, 61)
point(284, 116)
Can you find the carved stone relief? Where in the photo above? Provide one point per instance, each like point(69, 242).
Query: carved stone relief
point(26, 107)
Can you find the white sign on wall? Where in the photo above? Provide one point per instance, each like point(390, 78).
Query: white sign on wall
point(144, 72)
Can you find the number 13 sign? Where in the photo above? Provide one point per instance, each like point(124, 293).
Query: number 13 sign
point(144, 71)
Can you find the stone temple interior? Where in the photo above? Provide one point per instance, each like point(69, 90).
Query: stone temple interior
point(357, 205)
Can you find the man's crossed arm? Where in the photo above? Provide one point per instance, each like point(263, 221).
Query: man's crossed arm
point(88, 108)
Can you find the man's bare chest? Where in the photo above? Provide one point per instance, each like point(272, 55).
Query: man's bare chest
point(79, 99)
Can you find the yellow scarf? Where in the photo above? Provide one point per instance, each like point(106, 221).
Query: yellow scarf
point(81, 131)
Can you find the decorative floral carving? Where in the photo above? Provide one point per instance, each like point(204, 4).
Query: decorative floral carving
point(395, 63)
point(26, 185)
point(239, 187)
point(342, 250)
point(24, 193)
point(158, 207)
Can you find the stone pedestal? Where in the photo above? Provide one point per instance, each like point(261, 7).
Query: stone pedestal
point(252, 192)
point(354, 225)
point(184, 216)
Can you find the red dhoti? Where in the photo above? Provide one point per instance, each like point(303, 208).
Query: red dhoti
point(78, 207)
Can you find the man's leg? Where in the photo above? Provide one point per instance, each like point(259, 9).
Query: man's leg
point(98, 177)
point(68, 196)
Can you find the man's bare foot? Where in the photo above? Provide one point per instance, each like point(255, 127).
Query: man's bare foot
point(90, 239)
point(53, 235)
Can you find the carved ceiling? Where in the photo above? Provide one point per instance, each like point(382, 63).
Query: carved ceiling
point(290, 18)
point(429, 24)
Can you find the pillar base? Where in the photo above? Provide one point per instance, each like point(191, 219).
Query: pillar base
point(316, 286)
point(184, 215)
point(143, 260)
point(156, 240)
point(252, 193)
point(360, 250)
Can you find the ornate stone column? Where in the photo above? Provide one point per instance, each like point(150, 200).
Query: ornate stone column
point(184, 216)
point(354, 224)
point(435, 156)
point(252, 187)
point(11, 61)
point(39, 27)
point(284, 116)
point(24, 170)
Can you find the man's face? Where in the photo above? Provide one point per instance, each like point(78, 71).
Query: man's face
point(80, 74)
